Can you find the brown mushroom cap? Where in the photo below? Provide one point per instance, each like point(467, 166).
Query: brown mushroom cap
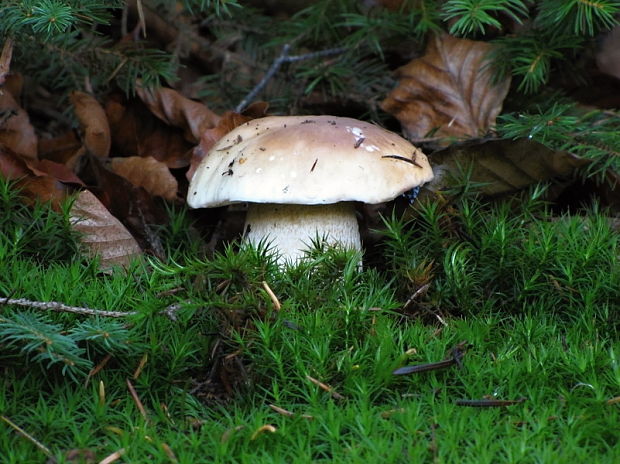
point(307, 160)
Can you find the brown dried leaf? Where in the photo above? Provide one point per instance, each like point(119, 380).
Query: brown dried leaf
point(148, 173)
point(132, 205)
point(228, 122)
point(102, 233)
point(136, 132)
point(503, 166)
point(14, 84)
point(5, 59)
point(16, 132)
point(179, 111)
point(37, 185)
point(94, 122)
point(449, 90)
point(11, 165)
point(60, 149)
point(608, 55)
point(56, 170)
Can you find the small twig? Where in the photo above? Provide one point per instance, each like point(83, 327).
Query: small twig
point(115, 456)
point(325, 387)
point(287, 413)
point(424, 367)
point(97, 368)
point(169, 453)
point(29, 437)
point(488, 403)
point(170, 310)
point(423, 289)
point(136, 399)
point(456, 357)
point(275, 66)
point(274, 299)
point(61, 307)
point(140, 367)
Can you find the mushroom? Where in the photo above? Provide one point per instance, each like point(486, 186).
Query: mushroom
point(301, 174)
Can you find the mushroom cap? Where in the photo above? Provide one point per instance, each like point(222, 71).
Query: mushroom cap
point(307, 160)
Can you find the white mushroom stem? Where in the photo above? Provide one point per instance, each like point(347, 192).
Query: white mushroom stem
point(291, 229)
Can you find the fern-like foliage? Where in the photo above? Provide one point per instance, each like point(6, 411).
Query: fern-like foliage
point(476, 16)
point(580, 17)
point(593, 135)
point(33, 335)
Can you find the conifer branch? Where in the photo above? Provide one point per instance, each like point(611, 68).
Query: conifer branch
point(284, 57)
point(61, 307)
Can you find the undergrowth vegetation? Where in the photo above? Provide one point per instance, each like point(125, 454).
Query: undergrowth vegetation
point(527, 298)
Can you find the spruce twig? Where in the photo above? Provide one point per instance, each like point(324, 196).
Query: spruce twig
point(284, 57)
point(169, 311)
point(61, 307)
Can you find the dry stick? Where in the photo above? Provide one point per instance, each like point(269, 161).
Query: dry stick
point(274, 299)
point(325, 387)
point(61, 307)
point(136, 399)
point(275, 66)
point(115, 456)
point(170, 310)
point(25, 434)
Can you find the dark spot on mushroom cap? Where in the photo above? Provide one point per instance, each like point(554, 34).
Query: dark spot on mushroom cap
point(194, 193)
point(262, 148)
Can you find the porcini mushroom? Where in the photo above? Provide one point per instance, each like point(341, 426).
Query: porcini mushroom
point(301, 174)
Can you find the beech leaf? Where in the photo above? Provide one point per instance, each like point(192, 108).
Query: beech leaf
point(503, 166)
point(94, 122)
point(448, 92)
point(228, 122)
point(137, 132)
point(16, 132)
point(101, 233)
point(179, 111)
point(148, 173)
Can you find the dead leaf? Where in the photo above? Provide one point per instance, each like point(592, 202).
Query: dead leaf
point(64, 149)
point(448, 92)
point(133, 206)
point(56, 170)
point(16, 132)
point(12, 166)
point(228, 122)
point(14, 84)
point(5, 59)
point(503, 166)
point(148, 173)
point(608, 55)
point(179, 111)
point(136, 132)
point(36, 185)
point(94, 122)
point(102, 233)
